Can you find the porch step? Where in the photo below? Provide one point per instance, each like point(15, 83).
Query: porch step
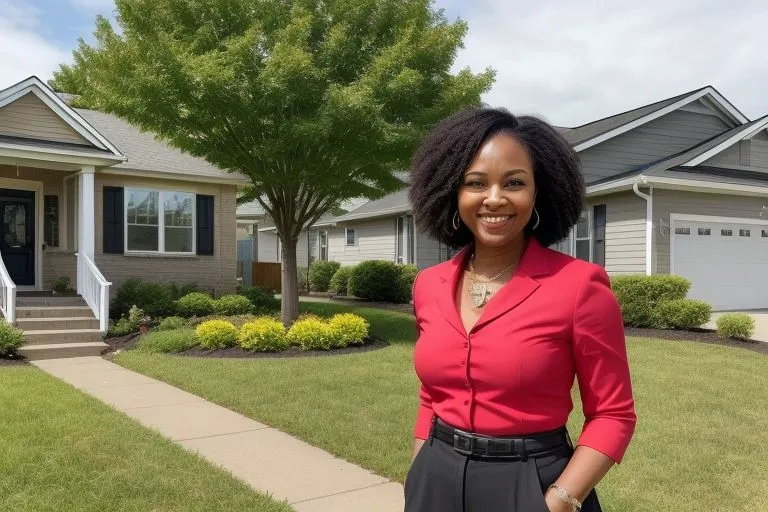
point(62, 350)
point(52, 312)
point(61, 336)
point(50, 301)
point(57, 323)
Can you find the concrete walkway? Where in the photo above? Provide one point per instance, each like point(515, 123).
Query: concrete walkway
point(272, 462)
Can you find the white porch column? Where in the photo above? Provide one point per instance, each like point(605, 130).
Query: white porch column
point(86, 199)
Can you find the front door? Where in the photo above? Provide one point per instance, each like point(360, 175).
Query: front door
point(17, 234)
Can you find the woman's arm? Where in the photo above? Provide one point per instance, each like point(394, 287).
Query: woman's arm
point(584, 471)
point(417, 444)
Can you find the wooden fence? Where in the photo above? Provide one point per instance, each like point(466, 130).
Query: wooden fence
point(267, 275)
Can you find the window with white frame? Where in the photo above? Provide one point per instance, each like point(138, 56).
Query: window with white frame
point(583, 237)
point(350, 237)
point(159, 221)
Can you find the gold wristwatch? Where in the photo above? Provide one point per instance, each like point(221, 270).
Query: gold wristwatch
point(564, 496)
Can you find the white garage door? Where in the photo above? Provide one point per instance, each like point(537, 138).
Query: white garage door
point(726, 262)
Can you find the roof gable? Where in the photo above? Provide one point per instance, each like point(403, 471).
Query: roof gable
point(743, 132)
point(27, 117)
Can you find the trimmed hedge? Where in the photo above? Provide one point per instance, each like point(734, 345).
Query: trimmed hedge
point(375, 280)
point(172, 322)
point(340, 281)
point(156, 299)
point(232, 305)
point(348, 329)
point(320, 274)
point(264, 334)
point(10, 338)
point(639, 295)
point(681, 314)
point(311, 333)
point(195, 304)
point(262, 300)
point(216, 334)
point(735, 325)
point(405, 282)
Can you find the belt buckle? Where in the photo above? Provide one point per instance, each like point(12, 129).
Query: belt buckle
point(463, 443)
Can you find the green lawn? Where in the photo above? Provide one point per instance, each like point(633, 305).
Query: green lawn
point(61, 450)
point(700, 442)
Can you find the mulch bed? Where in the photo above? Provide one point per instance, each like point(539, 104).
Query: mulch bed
point(12, 360)
point(700, 335)
point(123, 342)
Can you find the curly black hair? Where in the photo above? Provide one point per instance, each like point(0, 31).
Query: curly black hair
point(438, 167)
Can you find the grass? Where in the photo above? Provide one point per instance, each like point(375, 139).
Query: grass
point(63, 450)
point(703, 412)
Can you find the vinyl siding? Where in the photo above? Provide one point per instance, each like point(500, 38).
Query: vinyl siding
point(375, 241)
point(30, 118)
point(624, 232)
point(728, 157)
point(659, 138)
point(759, 154)
point(692, 203)
point(427, 251)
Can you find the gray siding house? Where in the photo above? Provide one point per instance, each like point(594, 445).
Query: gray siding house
point(678, 186)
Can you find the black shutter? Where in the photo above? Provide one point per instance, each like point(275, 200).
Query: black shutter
point(598, 247)
point(113, 220)
point(204, 225)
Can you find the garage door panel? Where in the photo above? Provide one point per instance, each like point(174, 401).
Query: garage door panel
point(728, 268)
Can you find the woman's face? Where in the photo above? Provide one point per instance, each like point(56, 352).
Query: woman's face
point(498, 191)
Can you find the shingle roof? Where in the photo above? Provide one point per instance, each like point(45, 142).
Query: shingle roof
point(392, 204)
point(147, 153)
point(717, 175)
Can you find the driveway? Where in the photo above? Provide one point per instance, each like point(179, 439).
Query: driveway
point(761, 322)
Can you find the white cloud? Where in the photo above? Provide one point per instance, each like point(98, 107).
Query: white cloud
point(574, 62)
point(23, 52)
point(100, 6)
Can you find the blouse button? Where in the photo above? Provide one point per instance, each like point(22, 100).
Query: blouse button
point(466, 402)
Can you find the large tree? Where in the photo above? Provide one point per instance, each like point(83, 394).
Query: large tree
point(317, 101)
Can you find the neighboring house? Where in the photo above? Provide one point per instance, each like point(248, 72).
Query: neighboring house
point(679, 186)
point(86, 195)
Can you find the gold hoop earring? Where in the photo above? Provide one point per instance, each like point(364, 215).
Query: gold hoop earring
point(456, 221)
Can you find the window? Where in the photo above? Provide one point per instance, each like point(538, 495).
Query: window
point(682, 231)
point(583, 238)
point(404, 240)
point(51, 221)
point(726, 232)
point(322, 245)
point(160, 221)
point(350, 237)
point(765, 233)
point(705, 231)
point(745, 232)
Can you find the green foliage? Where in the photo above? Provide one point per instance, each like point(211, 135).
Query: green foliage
point(681, 314)
point(172, 322)
point(375, 280)
point(170, 341)
point(263, 301)
point(735, 325)
point(311, 333)
point(62, 284)
point(216, 334)
point(639, 295)
point(122, 327)
point(303, 274)
point(320, 274)
point(348, 329)
point(340, 281)
point(195, 304)
point(407, 274)
point(232, 305)
point(10, 338)
point(156, 299)
point(264, 334)
point(315, 101)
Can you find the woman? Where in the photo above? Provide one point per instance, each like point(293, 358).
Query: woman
point(507, 325)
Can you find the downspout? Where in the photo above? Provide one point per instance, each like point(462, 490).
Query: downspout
point(648, 222)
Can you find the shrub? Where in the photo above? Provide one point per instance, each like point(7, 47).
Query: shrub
point(195, 304)
point(320, 274)
point(216, 334)
point(639, 295)
point(375, 280)
point(177, 340)
point(263, 301)
point(681, 314)
point(122, 327)
point(405, 282)
point(62, 284)
point(735, 325)
point(340, 280)
point(348, 329)
point(232, 305)
point(171, 323)
point(303, 279)
point(10, 338)
point(156, 299)
point(264, 334)
point(310, 333)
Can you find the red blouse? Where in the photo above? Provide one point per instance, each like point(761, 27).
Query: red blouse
point(512, 374)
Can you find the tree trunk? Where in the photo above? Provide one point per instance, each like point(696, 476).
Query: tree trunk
point(290, 283)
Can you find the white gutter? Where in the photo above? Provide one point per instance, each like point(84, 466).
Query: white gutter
point(648, 221)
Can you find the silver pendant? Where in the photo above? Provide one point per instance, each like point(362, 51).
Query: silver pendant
point(478, 292)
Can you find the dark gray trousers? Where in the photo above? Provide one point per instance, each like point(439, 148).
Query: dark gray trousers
point(442, 480)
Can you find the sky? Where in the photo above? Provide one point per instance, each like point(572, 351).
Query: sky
point(569, 62)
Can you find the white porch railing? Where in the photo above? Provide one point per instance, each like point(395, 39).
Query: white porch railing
point(92, 286)
point(8, 292)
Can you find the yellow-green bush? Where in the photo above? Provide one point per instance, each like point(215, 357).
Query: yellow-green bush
point(265, 334)
point(311, 333)
point(735, 325)
point(348, 329)
point(216, 334)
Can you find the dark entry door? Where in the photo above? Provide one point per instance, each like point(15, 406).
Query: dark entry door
point(17, 234)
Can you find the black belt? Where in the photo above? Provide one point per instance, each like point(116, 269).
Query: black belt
point(468, 443)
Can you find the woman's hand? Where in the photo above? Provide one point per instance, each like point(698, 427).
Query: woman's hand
point(555, 504)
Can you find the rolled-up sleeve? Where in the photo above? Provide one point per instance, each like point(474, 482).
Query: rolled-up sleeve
point(602, 367)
